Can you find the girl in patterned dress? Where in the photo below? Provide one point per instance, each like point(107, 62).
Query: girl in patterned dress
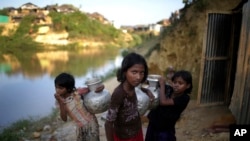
point(71, 104)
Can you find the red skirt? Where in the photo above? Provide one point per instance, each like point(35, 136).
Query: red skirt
point(137, 137)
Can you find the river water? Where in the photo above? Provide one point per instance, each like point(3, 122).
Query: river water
point(27, 80)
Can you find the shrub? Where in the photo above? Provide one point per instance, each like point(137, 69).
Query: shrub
point(79, 25)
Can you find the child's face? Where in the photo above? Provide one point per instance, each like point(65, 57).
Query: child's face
point(135, 74)
point(180, 85)
point(60, 90)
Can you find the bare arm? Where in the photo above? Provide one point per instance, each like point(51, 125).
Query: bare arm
point(109, 129)
point(62, 106)
point(149, 93)
point(163, 99)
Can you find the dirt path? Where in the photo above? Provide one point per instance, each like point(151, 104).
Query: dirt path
point(195, 119)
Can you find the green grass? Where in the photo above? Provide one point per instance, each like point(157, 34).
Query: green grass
point(25, 127)
point(79, 25)
point(20, 41)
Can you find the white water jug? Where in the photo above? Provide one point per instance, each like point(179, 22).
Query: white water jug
point(142, 100)
point(96, 102)
point(154, 88)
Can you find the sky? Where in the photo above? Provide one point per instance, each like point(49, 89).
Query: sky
point(121, 12)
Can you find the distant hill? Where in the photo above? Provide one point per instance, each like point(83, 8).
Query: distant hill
point(63, 22)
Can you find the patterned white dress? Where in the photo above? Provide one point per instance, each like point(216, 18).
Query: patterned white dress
point(88, 128)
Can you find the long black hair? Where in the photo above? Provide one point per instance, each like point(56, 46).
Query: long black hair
point(128, 61)
point(186, 76)
point(65, 80)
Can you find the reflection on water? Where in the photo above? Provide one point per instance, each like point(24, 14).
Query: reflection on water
point(27, 80)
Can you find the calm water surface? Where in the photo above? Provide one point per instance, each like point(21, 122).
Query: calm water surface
point(27, 81)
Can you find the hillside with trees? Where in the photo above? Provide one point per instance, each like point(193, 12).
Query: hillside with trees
point(33, 31)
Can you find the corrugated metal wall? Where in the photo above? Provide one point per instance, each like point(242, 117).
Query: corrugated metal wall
point(240, 102)
point(215, 65)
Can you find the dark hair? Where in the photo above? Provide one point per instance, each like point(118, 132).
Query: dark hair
point(128, 61)
point(65, 80)
point(186, 76)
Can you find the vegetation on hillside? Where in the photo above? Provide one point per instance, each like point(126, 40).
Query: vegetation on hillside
point(20, 40)
point(79, 25)
point(4, 12)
